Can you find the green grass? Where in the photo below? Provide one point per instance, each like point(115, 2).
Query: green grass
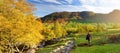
point(107, 48)
point(97, 47)
point(44, 50)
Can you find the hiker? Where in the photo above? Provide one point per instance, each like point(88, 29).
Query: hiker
point(88, 38)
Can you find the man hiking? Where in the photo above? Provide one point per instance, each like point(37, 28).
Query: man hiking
point(88, 38)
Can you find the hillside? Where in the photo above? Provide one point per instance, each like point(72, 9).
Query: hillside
point(84, 16)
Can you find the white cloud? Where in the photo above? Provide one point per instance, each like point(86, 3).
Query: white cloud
point(98, 6)
point(106, 3)
point(87, 2)
point(98, 9)
point(57, 8)
point(53, 1)
point(37, 0)
point(69, 1)
point(109, 3)
point(101, 6)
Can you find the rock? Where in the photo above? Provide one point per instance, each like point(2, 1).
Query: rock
point(65, 49)
point(31, 51)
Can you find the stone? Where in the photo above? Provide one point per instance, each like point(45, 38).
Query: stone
point(31, 51)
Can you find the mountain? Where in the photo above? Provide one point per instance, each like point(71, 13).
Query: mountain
point(84, 16)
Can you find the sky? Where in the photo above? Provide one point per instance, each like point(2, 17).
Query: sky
point(45, 7)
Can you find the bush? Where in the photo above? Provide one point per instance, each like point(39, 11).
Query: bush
point(114, 39)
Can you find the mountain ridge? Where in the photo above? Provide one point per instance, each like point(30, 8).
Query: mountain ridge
point(90, 16)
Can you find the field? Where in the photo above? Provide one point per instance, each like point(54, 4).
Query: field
point(100, 45)
point(103, 40)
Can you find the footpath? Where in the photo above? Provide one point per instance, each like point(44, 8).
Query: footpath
point(64, 49)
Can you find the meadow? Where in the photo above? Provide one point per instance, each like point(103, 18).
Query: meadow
point(101, 43)
point(105, 37)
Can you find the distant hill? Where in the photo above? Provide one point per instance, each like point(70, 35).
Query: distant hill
point(84, 16)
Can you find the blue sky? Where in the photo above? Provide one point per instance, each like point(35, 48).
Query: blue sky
point(45, 7)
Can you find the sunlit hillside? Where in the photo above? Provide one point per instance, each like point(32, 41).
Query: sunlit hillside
point(84, 16)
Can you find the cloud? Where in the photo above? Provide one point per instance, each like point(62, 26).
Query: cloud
point(57, 8)
point(101, 6)
point(108, 3)
point(69, 1)
point(103, 3)
point(98, 6)
point(88, 2)
point(53, 1)
point(99, 9)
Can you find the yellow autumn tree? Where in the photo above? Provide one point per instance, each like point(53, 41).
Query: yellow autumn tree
point(49, 34)
point(18, 26)
point(59, 31)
